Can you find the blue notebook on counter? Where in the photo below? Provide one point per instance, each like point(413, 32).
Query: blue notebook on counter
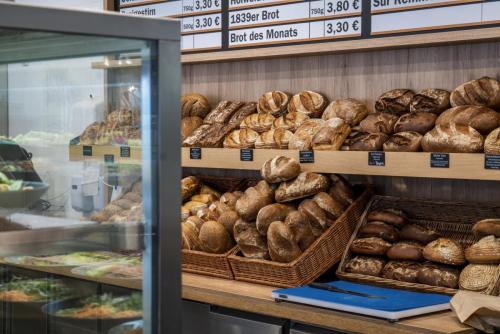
point(391, 304)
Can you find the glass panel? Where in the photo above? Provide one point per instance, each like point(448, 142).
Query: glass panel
point(72, 214)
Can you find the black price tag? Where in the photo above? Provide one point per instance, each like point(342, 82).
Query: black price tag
point(109, 158)
point(246, 154)
point(492, 161)
point(440, 160)
point(306, 157)
point(376, 158)
point(125, 151)
point(195, 153)
point(87, 151)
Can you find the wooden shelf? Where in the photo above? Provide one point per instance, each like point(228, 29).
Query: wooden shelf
point(257, 299)
point(106, 153)
point(116, 64)
point(462, 165)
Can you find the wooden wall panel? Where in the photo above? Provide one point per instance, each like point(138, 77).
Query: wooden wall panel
point(363, 75)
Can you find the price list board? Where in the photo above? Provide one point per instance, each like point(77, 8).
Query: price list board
point(219, 25)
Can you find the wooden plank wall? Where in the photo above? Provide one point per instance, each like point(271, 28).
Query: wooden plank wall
point(363, 75)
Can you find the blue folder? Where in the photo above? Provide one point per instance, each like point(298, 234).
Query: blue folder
point(392, 304)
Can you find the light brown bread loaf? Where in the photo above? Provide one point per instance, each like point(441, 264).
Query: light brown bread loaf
point(301, 229)
point(430, 101)
point(230, 198)
point(379, 122)
point(482, 119)
point(251, 243)
point(482, 92)
point(365, 265)
point(222, 112)
point(214, 238)
point(190, 239)
point(274, 139)
point(259, 122)
point(247, 109)
point(306, 184)
point(421, 122)
point(492, 142)
point(302, 138)
point(270, 213)
point(241, 138)
point(368, 142)
point(279, 169)
point(274, 103)
point(290, 121)
point(453, 139)
point(281, 243)
point(350, 110)
point(487, 227)
point(194, 105)
point(444, 251)
point(254, 199)
point(405, 271)
point(485, 251)
point(408, 141)
point(478, 277)
point(316, 216)
point(228, 219)
point(189, 124)
point(307, 102)
point(396, 101)
point(331, 135)
point(195, 221)
point(370, 246)
point(330, 206)
point(189, 186)
point(436, 275)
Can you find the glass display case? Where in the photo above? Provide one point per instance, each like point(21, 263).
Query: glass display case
point(89, 173)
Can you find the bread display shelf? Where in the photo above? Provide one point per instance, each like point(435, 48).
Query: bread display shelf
point(106, 153)
point(461, 165)
point(116, 64)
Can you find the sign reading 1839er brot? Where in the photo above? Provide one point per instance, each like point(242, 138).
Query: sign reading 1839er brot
point(235, 24)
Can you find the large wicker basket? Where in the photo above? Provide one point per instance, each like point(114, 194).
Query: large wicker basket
point(216, 265)
point(320, 256)
point(451, 220)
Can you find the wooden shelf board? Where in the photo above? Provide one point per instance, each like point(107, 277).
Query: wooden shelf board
point(116, 64)
point(99, 151)
point(462, 165)
point(257, 299)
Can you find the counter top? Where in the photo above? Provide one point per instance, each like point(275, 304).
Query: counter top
point(257, 299)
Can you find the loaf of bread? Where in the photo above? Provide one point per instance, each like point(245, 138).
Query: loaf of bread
point(307, 102)
point(208, 135)
point(340, 190)
point(370, 246)
point(302, 138)
point(444, 251)
point(190, 239)
point(254, 199)
point(206, 214)
point(492, 142)
point(453, 139)
point(304, 185)
point(194, 105)
point(379, 122)
point(197, 135)
point(251, 243)
point(290, 121)
point(214, 238)
point(330, 206)
point(301, 229)
point(481, 92)
point(316, 216)
point(189, 124)
point(485, 251)
point(368, 142)
point(365, 265)
point(239, 115)
point(436, 275)
point(350, 110)
point(379, 229)
point(430, 101)
point(395, 101)
point(274, 103)
point(390, 216)
point(189, 186)
point(331, 135)
point(487, 227)
point(418, 233)
point(195, 221)
point(482, 119)
point(406, 251)
point(281, 243)
point(259, 122)
point(230, 198)
point(219, 207)
point(274, 138)
point(477, 277)
point(241, 138)
point(205, 198)
point(408, 141)
point(422, 122)
point(223, 112)
point(279, 169)
point(270, 213)
point(405, 271)
point(228, 219)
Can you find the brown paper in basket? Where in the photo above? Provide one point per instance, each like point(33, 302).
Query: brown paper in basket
point(477, 310)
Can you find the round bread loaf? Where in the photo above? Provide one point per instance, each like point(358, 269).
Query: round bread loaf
point(478, 277)
point(436, 275)
point(279, 169)
point(418, 233)
point(395, 101)
point(241, 138)
point(332, 208)
point(206, 214)
point(365, 265)
point(368, 142)
point(317, 217)
point(453, 138)
point(422, 122)
point(271, 213)
point(190, 239)
point(480, 118)
point(259, 122)
point(194, 207)
point(304, 185)
point(445, 251)
point(309, 103)
point(189, 186)
point(281, 243)
point(230, 198)
point(274, 103)
point(492, 142)
point(331, 135)
point(341, 191)
point(370, 246)
point(302, 138)
point(228, 219)
point(301, 229)
point(193, 104)
point(406, 251)
point(406, 271)
point(430, 100)
point(482, 92)
point(390, 216)
point(254, 199)
point(487, 227)
point(379, 122)
point(251, 243)
point(219, 207)
point(195, 221)
point(485, 251)
point(290, 121)
point(352, 111)
point(379, 229)
point(189, 124)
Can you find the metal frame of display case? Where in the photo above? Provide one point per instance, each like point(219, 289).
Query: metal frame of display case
point(161, 80)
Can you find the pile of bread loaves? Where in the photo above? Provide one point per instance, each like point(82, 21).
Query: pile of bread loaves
point(389, 246)
point(122, 127)
point(277, 219)
point(433, 120)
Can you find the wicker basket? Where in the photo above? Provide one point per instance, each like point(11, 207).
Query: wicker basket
point(202, 263)
point(451, 220)
point(320, 256)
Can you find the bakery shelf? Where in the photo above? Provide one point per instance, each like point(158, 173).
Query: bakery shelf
point(414, 164)
point(106, 153)
point(116, 64)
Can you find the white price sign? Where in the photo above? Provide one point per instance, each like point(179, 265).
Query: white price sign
point(338, 7)
point(193, 6)
point(342, 27)
point(203, 22)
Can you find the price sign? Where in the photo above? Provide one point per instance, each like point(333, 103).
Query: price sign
point(440, 160)
point(334, 7)
point(306, 157)
point(340, 27)
point(125, 151)
point(203, 22)
point(87, 151)
point(195, 153)
point(206, 4)
point(376, 158)
point(246, 154)
point(492, 161)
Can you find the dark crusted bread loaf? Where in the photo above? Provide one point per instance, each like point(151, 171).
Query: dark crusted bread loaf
point(279, 169)
point(453, 139)
point(281, 243)
point(395, 101)
point(365, 265)
point(422, 122)
point(379, 122)
point(480, 118)
point(430, 101)
point(482, 92)
point(251, 243)
point(408, 141)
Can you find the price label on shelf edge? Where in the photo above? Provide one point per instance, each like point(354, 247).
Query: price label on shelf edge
point(200, 23)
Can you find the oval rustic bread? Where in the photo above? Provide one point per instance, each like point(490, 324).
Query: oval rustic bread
point(453, 138)
point(477, 277)
point(189, 186)
point(418, 233)
point(430, 101)
point(194, 105)
point(445, 251)
point(331, 135)
point(251, 243)
point(214, 238)
point(406, 250)
point(368, 142)
point(259, 122)
point(352, 111)
point(486, 250)
point(279, 169)
point(484, 92)
point(492, 142)
point(304, 185)
point(228, 219)
point(302, 138)
point(317, 217)
point(274, 103)
point(341, 190)
point(379, 122)
point(190, 239)
point(482, 119)
point(281, 243)
point(370, 246)
point(422, 123)
point(390, 216)
point(437, 275)
point(254, 199)
point(301, 229)
point(408, 141)
point(270, 213)
point(406, 271)
point(365, 265)
point(307, 102)
point(331, 207)
point(395, 101)
point(487, 227)
point(379, 229)
point(290, 121)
